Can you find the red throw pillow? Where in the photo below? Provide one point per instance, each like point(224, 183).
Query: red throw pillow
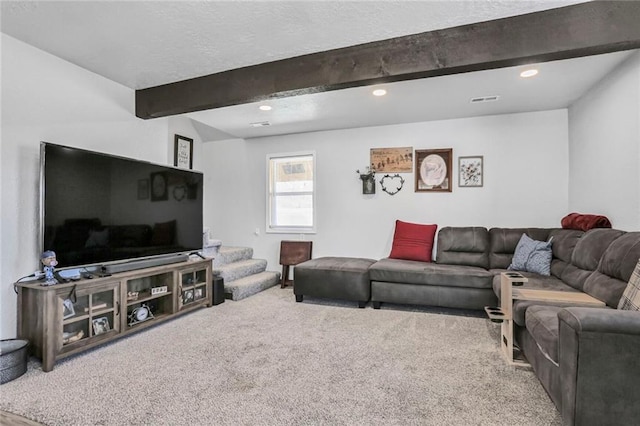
point(413, 241)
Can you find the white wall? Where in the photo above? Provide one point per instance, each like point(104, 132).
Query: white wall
point(604, 147)
point(47, 99)
point(526, 182)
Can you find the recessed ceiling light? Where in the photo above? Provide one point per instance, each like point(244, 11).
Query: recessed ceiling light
point(379, 92)
point(265, 107)
point(529, 73)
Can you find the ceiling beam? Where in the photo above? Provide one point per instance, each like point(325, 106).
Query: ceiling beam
point(579, 30)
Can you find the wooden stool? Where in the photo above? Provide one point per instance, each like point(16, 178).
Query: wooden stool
point(292, 253)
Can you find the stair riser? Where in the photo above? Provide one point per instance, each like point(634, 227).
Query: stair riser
point(241, 289)
point(235, 272)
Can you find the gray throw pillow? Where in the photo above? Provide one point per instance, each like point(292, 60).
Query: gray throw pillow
point(630, 299)
point(532, 256)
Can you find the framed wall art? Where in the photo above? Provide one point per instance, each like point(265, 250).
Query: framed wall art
point(183, 154)
point(470, 171)
point(433, 170)
point(392, 160)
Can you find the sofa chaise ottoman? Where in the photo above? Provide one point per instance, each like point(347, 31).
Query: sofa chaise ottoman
point(343, 278)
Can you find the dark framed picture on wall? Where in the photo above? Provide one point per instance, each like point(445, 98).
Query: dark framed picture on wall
point(433, 170)
point(183, 155)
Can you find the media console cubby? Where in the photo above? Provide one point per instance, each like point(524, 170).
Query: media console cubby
point(68, 318)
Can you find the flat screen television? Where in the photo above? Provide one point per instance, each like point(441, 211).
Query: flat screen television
point(100, 209)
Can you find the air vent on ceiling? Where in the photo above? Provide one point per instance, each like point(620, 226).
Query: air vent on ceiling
point(260, 124)
point(485, 99)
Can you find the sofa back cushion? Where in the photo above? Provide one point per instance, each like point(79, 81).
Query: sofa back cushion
point(564, 242)
point(608, 282)
point(503, 242)
point(463, 246)
point(586, 256)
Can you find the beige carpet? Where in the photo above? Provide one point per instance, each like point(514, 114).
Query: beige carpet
point(268, 360)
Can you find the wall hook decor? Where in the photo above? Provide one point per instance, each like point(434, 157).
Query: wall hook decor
point(395, 183)
point(368, 180)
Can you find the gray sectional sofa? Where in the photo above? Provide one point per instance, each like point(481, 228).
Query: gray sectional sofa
point(585, 357)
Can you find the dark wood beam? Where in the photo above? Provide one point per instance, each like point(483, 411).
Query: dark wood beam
point(579, 30)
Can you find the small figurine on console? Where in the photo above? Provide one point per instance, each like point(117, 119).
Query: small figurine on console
point(48, 259)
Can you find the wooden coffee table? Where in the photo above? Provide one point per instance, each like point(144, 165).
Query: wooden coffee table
point(510, 290)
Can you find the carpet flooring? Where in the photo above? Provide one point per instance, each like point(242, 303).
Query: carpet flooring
point(267, 360)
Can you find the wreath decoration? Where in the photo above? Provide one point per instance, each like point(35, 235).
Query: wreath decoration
point(392, 178)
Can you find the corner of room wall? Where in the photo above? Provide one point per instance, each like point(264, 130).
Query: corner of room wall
point(225, 179)
point(45, 98)
point(604, 146)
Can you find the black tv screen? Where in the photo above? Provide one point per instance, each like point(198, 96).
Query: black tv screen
point(100, 208)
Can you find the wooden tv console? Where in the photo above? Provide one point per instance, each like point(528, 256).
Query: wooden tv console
point(69, 318)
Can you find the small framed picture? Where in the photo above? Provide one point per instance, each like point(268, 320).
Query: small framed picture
point(183, 155)
point(187, 296)
point(100, 325)
point(433, 170)
point(470, 171)
point(199, 293)
point(67, 309)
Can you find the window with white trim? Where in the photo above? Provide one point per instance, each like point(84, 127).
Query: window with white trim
point(291, 192)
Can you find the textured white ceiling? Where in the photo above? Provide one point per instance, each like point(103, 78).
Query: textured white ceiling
point(147, 43)
point(558, 84)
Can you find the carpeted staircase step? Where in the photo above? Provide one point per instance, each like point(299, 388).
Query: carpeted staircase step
point(227, 255)
point(240, 269)
point(250, 285)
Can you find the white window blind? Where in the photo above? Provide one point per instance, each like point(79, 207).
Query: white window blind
point(291, 193)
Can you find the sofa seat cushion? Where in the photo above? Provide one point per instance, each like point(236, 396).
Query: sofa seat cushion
point(542, 324)
point(413, 272)
point(520, 308)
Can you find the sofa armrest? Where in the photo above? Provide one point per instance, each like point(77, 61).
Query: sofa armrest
point(598, 351)
point(601, 320)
